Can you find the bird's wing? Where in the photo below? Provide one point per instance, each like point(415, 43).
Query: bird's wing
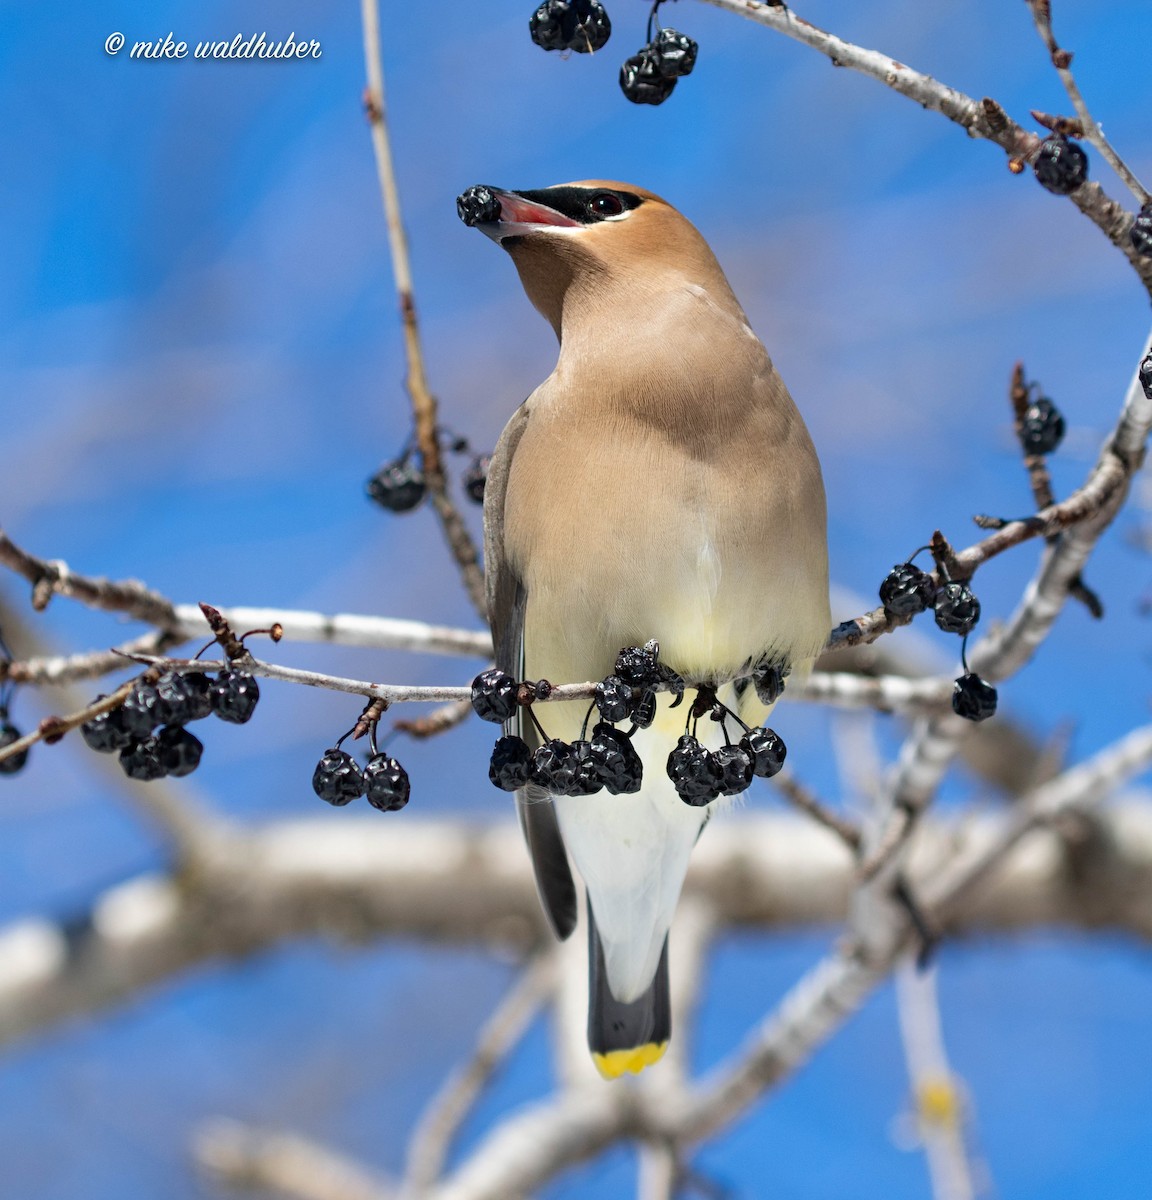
point(507, 599)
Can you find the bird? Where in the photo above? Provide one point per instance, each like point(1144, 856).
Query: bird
point(659, 486)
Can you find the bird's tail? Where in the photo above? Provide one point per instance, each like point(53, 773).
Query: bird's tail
point(622, 1036)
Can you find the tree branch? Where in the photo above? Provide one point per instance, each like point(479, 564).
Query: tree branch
point(284, 1163)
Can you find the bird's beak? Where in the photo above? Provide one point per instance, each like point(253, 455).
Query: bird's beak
point(499, 214)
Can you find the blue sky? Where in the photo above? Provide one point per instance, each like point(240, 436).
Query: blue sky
point(200, 364)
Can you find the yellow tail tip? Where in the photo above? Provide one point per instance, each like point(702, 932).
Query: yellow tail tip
point(620, 1062)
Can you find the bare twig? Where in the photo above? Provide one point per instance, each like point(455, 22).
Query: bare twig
point(52, 729)
point(807, 802)
point(55, 578)
point(1062, 61)
point(432, 1139)
point(284, 1163)
point(440, 720)
point(58, 669)
point(423, 402)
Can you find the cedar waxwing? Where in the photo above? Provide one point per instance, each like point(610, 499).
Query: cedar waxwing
point(659, 484)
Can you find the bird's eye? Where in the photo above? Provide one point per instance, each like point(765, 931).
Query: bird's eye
point(606, 204)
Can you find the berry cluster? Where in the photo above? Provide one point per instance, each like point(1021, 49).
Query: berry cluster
point(648, 77)
point(906, 591)
point(8, 732)
point(1141, 232)
point(580, 25)
point(702, 775)
point(400, 486)
point(1061, 166)
point(608, 760)
point(339, 779)
point(148, 729)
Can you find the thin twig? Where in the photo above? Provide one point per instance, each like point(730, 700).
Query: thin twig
point(52, 729)
point(127, 596)
point(807, 802)
point(423, 402)
point(1062, 61)
point(440, 720)
point(432, 1139)
point(58, 669)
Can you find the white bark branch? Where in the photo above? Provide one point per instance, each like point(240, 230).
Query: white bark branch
point(283, 1163)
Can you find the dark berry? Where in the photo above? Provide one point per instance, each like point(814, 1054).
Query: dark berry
point(1144, 375)
point(694, 772)
point(556, 767)
point(675, 53)
point(478, 205)
point(182, 697)
point(141, 711)
point(639, 665)
point(1141, 232)
point(580, 25)
point(106, 732)
point(494, 696)
point(338, 778)
point(907, 590)
point(614, 698)
point(9, 734)
point(645, 711)
point(511, 764)
point(1061, 166)
point(957, 609)
point(398, 486)
point(142, 760)
point(973, 699)
point(617, 763)
point(767, 751)
point(587, 779)
point(768, 679)
point(641, 80)
point(476, 477)
point(233, 695)
point(1042, 427)
point(386, 783)
point(735, 766)
point(179, 751)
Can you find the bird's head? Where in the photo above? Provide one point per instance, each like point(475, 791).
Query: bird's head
point(595, 244)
